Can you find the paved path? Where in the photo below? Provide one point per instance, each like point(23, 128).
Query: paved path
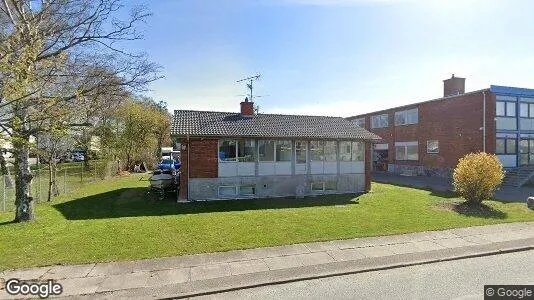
point(189, 275)
point(507, 193)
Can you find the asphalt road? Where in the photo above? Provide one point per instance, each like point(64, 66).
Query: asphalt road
point(460, 279)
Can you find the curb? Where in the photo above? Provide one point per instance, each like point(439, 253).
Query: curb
point(364, 265)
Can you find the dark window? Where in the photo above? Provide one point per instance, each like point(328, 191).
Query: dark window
point(506, 146)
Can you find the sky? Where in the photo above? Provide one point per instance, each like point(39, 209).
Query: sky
point(333, 57)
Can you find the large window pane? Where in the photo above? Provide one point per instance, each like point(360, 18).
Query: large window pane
point(266, 150)
point(412, 152)
point(500, 109)
point(523, 110)
point(357, 151)
point(523, 146)
point(345, 151)
point(227, 150)
point(400, 152)
point(510, 146)
point(531, 110)
point(300, 151)
point(510, 109)
point(246, 150)
point(317, 150)
point(330, 151)
point(499, 146)
point(283, 151)
point(412, 116)
point(400, 118)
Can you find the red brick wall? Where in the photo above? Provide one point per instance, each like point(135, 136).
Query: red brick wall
point(203, 161)
point(454, 122)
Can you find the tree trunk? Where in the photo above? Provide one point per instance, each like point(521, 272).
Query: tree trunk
point(55, 190)
point(24, 204)
point(49, 180)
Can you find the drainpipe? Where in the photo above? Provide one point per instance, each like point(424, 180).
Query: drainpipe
point(483, 122)
point(188, 168)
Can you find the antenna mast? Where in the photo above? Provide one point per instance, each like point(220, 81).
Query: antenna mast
point(250, 84)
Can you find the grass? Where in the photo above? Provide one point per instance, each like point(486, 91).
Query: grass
point(113, 220)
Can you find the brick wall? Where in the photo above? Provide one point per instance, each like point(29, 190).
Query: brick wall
point(454, 122)
point(203, 161)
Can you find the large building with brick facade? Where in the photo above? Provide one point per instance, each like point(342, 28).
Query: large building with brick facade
point(246, 155)
point(428, 138)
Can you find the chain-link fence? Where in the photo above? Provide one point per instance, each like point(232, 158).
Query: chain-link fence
point(69, 177)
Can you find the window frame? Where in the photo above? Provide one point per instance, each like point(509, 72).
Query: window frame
point(530, 110)
point(405, 145)
point(506, 151)
point(274, 151)
point(405, 114)
point(236, 141)
point(305, 143)
point(380, 118)
point(428, 147)
point(506, 113)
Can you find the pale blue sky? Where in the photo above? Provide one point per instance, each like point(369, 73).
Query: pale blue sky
point(338, 57)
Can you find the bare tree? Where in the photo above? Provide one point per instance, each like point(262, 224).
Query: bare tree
point(54, 54)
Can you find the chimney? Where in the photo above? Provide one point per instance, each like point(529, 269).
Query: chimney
point(453, 86)
point(247, 108)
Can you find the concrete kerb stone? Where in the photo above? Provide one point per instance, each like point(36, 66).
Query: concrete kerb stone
point(232, 283)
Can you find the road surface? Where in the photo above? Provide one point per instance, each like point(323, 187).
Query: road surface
point(460, 279)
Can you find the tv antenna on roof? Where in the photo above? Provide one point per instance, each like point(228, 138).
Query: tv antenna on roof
point(250, 81)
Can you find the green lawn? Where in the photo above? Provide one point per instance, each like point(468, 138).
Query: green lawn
point(113, 220)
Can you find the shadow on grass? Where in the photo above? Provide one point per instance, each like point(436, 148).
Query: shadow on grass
point(433, 191)
point(479, 211)
point(134, 202)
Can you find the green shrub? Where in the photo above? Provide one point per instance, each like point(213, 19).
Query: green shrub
point(476, 176)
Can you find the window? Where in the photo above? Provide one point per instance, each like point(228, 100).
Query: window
point(379, 121)
point(357, 151)
point(526, 110)
point(283, 150)
point(317, 186)
point(245, 190)
point(324, 186)
point(246, 150)
point(406, 151)
point(360, 122)
point(330, 186)
point(227, 191)
point(407, 117)
point(432, 146)
point(350, 151)
point(300, 151)
point(266, 150)
point(345, 151)
point(227, 150)
point(316, 150)
point(510, 109)
point(330, 151)
point(505, 109)
point(506, 146)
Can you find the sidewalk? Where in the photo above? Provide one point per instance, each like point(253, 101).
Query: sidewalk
point(190, 275)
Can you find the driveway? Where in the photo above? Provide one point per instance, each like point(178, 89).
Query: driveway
point(505, 194)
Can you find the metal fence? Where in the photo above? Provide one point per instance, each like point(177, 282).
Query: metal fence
point(69, 177)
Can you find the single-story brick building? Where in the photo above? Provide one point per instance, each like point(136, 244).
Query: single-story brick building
point(245, 155)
